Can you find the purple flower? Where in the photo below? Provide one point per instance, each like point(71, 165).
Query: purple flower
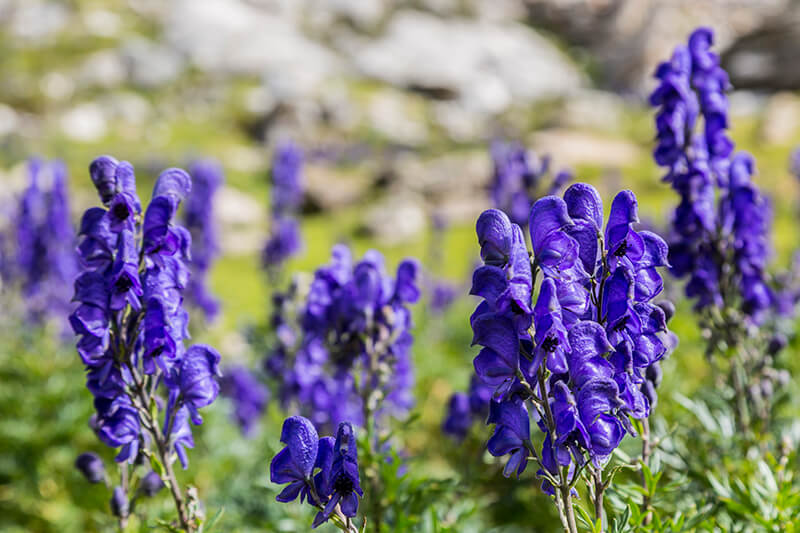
point(249, 396)
point(207, 177)
point(91, 466)
point(721, 211)
point(517, 178)
point(151, 484)
point(342, 483)
point(197, 383)
point(512, 434)
point(130, 318)
point(294, 464)
point(459, 417)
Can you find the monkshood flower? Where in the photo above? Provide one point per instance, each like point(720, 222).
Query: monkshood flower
point(207, 177)
point(287, 195)
point(42, 261)
point(722, 217)
point(518, 177)
point(344, 341)
point(248, 394)
point(132, 325)
point(579, 352)
point(91, 466)
point(464, 409)
point(321, 471)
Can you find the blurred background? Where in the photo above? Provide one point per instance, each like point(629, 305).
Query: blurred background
point(394, 104)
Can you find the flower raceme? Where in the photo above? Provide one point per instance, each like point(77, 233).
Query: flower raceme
point(131, 322)
point(322, 471)
point(41, 257)
point(287, 194)
point(344, 340)
point(722, 218)
point(207, 177)
point(578, 354)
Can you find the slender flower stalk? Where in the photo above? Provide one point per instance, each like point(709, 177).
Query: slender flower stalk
point(132, 326)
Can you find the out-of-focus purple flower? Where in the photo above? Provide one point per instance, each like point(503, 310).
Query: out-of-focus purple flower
point(248, 394)
point(459, 417)
point(518, 177)
point(348, 328)
point(91, 466)
point(120, 507)
point(443, 294)
point(207, 177)
point(287, 195)
point(721, 212)
point(151, 484)
point(44, 262)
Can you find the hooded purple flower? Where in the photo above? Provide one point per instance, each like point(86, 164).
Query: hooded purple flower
point(511, 435)
point(294, 464)
point(342, 484)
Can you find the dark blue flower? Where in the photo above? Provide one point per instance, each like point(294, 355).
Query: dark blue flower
point(511, 435)
point(294, 464)
point(343, 486)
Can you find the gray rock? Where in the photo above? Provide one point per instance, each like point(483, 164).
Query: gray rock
point(105, 68)
point(37, 20)
point(781, 119)
point(766, 57)
point(85, 122)
point(397, 219)
point(235, 36)
point(484, 64)
point(392, 115)
point(572, 147)
point(628, 38)
point(328, 188)
point(150, 64)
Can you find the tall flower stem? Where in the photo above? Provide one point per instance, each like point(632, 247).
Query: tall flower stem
point(569, 511)
point(162, 447)
point(368, 398)
point(599, 490)
point(646, 451)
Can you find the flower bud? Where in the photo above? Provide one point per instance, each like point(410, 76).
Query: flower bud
point(654, 374)
point(151, 483)
point(668, 307)
point(91, 466)
point(777, 343)
point(119, 503)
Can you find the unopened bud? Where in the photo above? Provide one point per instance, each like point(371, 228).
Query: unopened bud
point(776, 344)
point(91, 466)
point(119, 503)
point(668, 307)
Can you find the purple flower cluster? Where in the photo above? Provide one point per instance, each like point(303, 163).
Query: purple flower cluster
point(287, 195)
point(722, 219)
point(130, 320)
point(465, 408)
point(207, 177)
point(248, 394)
point(516, 179)
point(579, 355)
point(322, 471)
point(44, 263)
point(344, 341)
